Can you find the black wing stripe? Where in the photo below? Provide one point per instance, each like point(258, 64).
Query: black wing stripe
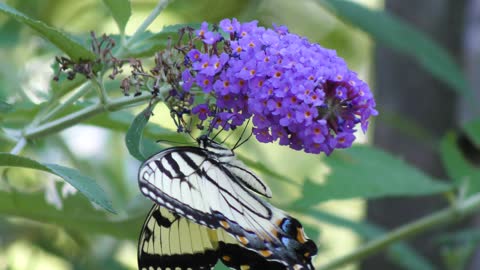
point(163, 169)
point(174, 165)
point(189, 161)
point(225, 190)
point(232, 168)
point(177, 251)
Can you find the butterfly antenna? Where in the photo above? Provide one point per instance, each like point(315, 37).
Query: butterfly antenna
point(226, 138)
point(223, 127)
point(193, 138)
point(218, 133)
point(244, 141)
point(238, 143)
point(212, 124)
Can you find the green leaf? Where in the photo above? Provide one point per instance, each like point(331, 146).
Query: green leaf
point(260, 167)
point(138, 147)
point(404, 38)
point(459, 169)
point(60, 39)
point(150, 43)
point(121, 11)
point(397, 253)
point(221, 266)
point(9, 34)
point(76, 214)
point(5, 107)
point(82, 183)
point(367, 172)
point(472, 129)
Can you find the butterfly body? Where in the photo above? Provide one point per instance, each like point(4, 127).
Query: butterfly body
point(208, 185)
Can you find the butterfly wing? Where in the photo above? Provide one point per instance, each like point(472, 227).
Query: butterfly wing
point(196, 184)
point(168, 241)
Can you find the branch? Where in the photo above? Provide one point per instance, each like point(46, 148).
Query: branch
point(143, 27)
point(449, 215)
point(81, 115)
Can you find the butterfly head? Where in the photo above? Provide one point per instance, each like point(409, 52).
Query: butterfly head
point(206, 143)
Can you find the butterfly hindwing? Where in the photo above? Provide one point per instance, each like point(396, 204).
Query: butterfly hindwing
point(168, 241)
point(171, 242)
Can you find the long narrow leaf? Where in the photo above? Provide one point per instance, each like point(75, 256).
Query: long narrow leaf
point(82, 183)
point(402, 37)
point(367, 172)
point(121, 11)
point(60, 39)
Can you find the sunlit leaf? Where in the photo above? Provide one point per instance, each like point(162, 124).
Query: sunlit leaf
point(150, 43)
point(399, 35)
point(60, 39)
point(366, 172)
point(121, 11)
point(82, 183)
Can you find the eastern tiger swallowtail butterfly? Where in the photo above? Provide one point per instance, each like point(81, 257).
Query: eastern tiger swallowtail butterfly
point(169, 241)
point(210, 186)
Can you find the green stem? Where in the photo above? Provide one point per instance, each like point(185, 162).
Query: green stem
point(102, 93)
point(143, 27)
point(19, 146)
point(75, 97)
point(449, 215)
point(81, 115)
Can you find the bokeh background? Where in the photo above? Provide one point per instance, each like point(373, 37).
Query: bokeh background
point(420, 93)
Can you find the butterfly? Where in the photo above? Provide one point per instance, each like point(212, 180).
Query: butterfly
point(209, 186)
point(171, 241)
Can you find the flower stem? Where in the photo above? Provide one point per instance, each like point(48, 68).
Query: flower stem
point(81, 115)
point(102, 93)
point(81, 91)
point(143, 27)
point(19, 146)
point(452, 214)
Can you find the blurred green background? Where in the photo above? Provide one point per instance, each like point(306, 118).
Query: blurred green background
point(45, 225)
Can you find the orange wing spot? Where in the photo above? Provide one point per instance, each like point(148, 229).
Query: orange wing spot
point(278, 222)
point(242, 240)
point(306, 254)
point(265, 253)
point(226, 258)
point(224, 224)
point(301, 236)
point(245, 267)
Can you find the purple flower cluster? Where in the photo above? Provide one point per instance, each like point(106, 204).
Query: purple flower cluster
point(298, 93)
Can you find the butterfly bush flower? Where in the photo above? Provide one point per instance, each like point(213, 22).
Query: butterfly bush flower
point(298, 93)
